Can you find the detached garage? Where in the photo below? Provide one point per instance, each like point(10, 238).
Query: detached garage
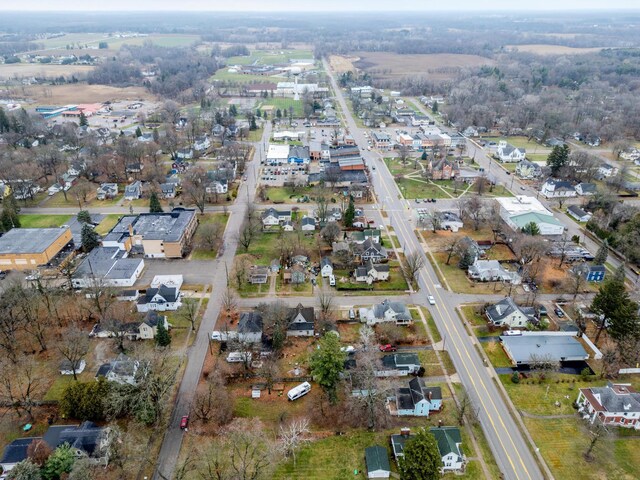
point(377, 461)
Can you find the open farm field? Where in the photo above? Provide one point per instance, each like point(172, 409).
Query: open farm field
point(19, 70)
point(543, 49)
point(341, 64)
point(440, 66)
point(270, 57)
point(82, 93)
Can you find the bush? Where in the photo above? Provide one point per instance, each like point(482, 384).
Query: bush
point(585, 373)
point(390, 333)
point(515, 378)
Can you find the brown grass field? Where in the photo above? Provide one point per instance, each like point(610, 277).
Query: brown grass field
point(340, 64)
point(440, 66)
point(541, 49)
point(80, 93)
point(18, 70)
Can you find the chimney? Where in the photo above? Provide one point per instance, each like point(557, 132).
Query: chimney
point(131, 229)
point(404, 431)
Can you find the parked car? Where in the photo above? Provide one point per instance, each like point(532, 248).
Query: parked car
point(184, 422)
point(387, 348)
point(542, 311)
point(559, 312)
point(348, 349)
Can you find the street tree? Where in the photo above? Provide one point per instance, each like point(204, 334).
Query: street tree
point(325, 301)
point(73, 347)
point(349, 213)
point(576, 281)
point(327, 363)
point(473, 209)
point(413, 262)
point(84, 216)
point(602, 253)
point(189, 312)
point(213, 403)
point(421, 460)
point(275, 321)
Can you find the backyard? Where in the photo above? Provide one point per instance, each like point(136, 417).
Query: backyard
point(202, 250)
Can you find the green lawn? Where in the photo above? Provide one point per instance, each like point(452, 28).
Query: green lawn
point(496, 354)
point(265, 246)
point(564, 441)
point(521, 142)
point(43, 221)
point(335, 457)
point(540, 399)
point(287, 194)
point(108, 223)
point(473, 316)
point(63, 381)
point(457, 278)
point(435, 333)
point(283, 104)
point(396, 281)
point(224, 75)
point(208, 218)
point(269, 57)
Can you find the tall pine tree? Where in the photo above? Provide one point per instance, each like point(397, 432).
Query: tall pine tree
point(90, 239)
point(163, 337)
point(602, 253)
point(154, 203)
point(349, 213)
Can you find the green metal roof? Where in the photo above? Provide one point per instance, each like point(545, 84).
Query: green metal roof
point(377, 458)
point(526, 218)
point(448, 439)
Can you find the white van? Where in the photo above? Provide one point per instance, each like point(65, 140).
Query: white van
point(299, 391)
point(238, 357)
point(332, 281)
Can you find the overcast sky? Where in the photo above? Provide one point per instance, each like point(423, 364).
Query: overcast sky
point(322, 5)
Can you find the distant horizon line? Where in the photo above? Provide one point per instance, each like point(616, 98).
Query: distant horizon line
point(360, 11)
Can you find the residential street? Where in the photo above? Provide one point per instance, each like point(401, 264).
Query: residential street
point(170, 450)
point(507, 443)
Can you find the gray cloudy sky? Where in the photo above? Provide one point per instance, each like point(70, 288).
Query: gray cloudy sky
point(324, 5)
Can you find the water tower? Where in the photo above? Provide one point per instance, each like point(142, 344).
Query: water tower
point(296, 71)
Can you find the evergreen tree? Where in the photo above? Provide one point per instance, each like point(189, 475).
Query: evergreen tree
point(349, 213)
point(156, 135)
point(327, 363)
point(4, 121)
point(163, 337)
point(154, 203)
point(233, 110)
point(558, 158)
point(59, 463)
point(620, 274)
point(602, 253)
point(618, 310)
point(259, 113)
point(466, 259)
point(252, 123)
point(138, 132)
point(10, 214)
point(83, 120)
point(278, 114)
point(25, 470)
point(434, 107)
point(531, 228)
point(424, 156)
point(90, 239)
point(85, 400)
point(421, 460)
point(84, 216)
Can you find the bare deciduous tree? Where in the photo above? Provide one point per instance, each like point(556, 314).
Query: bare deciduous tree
point(73, 347)
point(293, 436)
point(413, 262)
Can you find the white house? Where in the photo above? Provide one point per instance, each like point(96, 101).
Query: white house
point(107, 267)
point(607, 170)
point(163, 294)
point(416, 400)
point(122, 370)
point(107, 190)
point(506, 313)
point(449, 441)
point(66, 367)
point(578, 213)
point(553, 188)
point(218, 186)
point(301, 321)
point(527, 170)
point(201, 143)
point(584, 189)
point(272, 217)
point(250, 327)
point(507, 153)
point(492, 271)
point(308, 224)
point(133, 191)
point(386, 312)
point(326, 267)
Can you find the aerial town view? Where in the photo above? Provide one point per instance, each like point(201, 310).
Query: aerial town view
point(346, 240)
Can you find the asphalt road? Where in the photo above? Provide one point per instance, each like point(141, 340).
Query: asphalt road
point(507, 443)
point(196, 354)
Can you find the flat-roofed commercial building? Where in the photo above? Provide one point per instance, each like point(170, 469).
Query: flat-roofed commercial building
point(29, 248)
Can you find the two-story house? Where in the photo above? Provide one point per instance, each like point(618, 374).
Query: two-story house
point(507, 153)
point(506, 313)
point(553, 188)
point(416, 400)
point(616, 404)
point(301, 321)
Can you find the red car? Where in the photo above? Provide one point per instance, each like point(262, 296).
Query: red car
point(387, 348)
point(184, 423)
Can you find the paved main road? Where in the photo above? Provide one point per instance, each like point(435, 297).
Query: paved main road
point(196, 354)
point(507, 443)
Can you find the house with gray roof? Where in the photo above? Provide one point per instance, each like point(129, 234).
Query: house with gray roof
point(370, 251)
point(258, 275)
point(326, 267)
point(147, 328)
point(492, 271)
point(616, 404)
point(122, 370)
point(507, 153)
point(416, 400)
point(584, 189)
point(578, 213)
point(85, 439)
point(106, 191)
point(553, 188)
point(272, 217)
point(308, 224)
point(530, 347)
point(387, 311)
point(250, 327)
point(168, 190)
point(161, 299)
point(399, 365)
point(301, 321)
point(108, 267)
point(528, 170)
point(133, 191)
point(506, 313)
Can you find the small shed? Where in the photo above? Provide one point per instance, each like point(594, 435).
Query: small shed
point(377, 460)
